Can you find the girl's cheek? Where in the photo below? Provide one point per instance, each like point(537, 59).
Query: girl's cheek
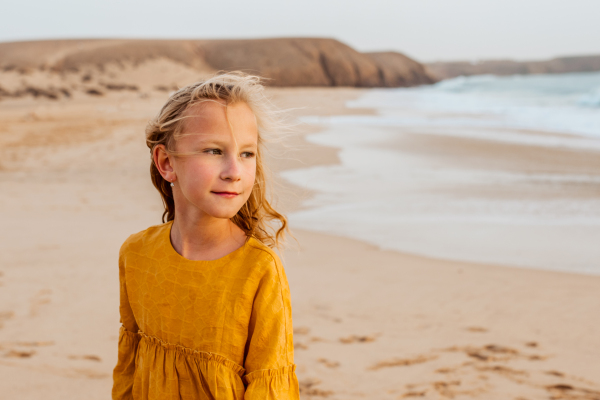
point(197, 179)
point(204, 170)
point(250, 177)
point(206, 176)
point(250, 170)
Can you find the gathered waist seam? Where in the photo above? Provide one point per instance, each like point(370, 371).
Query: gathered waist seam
point(204, 355)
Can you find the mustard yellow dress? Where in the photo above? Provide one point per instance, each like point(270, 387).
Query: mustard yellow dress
point(217, 329)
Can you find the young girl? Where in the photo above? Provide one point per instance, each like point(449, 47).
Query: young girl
point(205, 304)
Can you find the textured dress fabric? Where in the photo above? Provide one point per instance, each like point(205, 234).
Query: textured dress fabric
point(217, 329)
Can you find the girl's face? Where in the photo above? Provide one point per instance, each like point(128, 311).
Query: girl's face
point(219, 178)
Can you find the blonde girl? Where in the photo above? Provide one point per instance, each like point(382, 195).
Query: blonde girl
point(205, 304)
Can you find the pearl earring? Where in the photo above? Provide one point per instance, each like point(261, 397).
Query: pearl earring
point(172, 184)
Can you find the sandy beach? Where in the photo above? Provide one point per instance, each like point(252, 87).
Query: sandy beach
point(368, 323)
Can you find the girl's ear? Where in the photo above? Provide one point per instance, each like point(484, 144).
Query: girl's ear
point(163, 163)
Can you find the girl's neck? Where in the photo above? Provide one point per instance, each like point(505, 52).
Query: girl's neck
point(205, 238)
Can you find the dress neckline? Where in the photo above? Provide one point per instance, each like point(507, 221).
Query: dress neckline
point(166, 237)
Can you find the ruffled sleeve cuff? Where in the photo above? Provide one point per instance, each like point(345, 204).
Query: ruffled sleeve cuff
point(272, 384)
point(125, 368)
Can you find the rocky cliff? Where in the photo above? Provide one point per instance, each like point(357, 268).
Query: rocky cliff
point(101, 65)
point(445, 70)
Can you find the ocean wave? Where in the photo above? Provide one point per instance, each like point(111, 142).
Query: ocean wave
point(590, 100)
point(554, 103)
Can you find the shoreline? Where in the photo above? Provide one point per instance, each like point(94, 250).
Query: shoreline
point(522, 197)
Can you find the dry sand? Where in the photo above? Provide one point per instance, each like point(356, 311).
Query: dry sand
point(368, 323)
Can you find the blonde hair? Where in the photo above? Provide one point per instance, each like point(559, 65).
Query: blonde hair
point(256, 216)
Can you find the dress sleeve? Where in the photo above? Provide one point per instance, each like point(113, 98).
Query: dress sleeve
point(269, 363)
point(128, 342)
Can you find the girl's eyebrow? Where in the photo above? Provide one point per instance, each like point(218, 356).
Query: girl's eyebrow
point(218, 140)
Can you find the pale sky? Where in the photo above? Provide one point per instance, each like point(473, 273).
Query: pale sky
point(427, 30)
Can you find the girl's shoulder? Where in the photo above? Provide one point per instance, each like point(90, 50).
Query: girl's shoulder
point(263, 258)
point(262, 250)
point(148, 238)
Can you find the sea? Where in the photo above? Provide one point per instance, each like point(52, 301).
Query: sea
point(425, 202)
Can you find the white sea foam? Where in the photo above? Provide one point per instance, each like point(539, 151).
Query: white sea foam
point(568, 103)
point(418, 204)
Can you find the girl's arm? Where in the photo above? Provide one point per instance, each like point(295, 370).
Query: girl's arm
point(128, 342)
point(269, 363)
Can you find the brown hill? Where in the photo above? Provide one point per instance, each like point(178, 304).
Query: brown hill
point(397, 70)
point(53, 68)
point(445, 70)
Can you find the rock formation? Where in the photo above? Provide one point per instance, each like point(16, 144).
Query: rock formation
point(397, 70)
point(97, 66)
point(445, 70)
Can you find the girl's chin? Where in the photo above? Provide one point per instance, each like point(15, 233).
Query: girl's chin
point(224, 214)
point(224, 209)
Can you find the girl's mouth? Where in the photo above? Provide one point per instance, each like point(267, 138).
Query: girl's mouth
point(226, 194)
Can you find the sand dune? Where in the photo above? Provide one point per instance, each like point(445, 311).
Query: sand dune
point(66, 68)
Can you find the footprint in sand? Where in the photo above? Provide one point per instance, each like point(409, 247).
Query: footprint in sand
point(300, 346)
point(445, 389)
point(328, 363)
point(89, 357)
point(414, 394)
point(509, 373)
point(477, 376)
point(358, 339)
point(568, 392)
point(308, 389)
point(88, 373)
point(493, 352)
point(402, 362)
point(19, 354)
point(477, 329)
point(301, 330)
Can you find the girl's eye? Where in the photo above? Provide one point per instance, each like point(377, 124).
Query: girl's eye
point(213, 151)
point(247, 154)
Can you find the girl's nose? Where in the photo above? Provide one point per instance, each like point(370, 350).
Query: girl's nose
point(232, 170)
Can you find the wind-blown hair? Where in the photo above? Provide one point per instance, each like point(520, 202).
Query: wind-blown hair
point(257, 215)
